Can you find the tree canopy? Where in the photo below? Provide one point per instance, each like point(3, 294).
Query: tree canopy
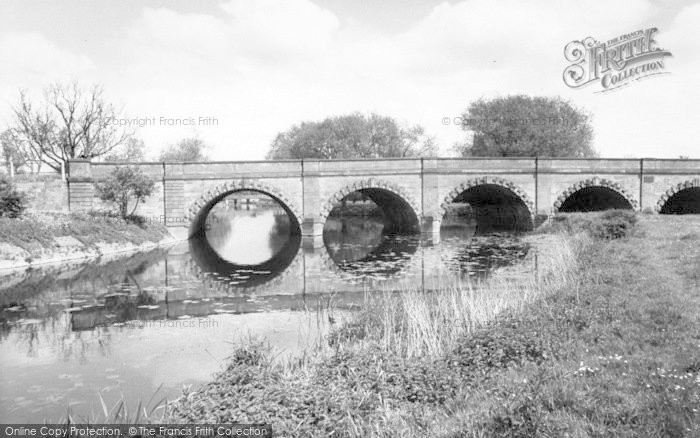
point(525, 126)
point(187, 149)
point(352, 136)
point(133, 150)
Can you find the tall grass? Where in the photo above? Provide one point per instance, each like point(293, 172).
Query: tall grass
point(383, 365)
point(414, 323)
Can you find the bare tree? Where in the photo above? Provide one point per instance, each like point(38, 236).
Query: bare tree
point(69, 123)
point(12, 150)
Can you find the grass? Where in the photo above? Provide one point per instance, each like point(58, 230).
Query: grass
point(627, 352)
point(609, 346)
point(400, 353)
point(34, 232)
point(415, 324)
point(152, 411)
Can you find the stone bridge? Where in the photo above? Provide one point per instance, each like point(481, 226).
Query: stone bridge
point(414, 193)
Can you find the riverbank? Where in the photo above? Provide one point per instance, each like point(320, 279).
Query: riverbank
point(386, 360)
point(607, 345)
point(40, 238)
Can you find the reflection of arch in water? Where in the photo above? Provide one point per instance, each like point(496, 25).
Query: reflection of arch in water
point(208, 261)
point(274, 286)
point(400, 209)
point(615, 196)
point(683, 198)
point(488, 193)
point(349, 270)
point(198, 210)
point(486, 257)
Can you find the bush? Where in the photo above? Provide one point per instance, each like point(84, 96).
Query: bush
point(611, 224)
point(123, 184)
point(12, 202)
point(616, 224)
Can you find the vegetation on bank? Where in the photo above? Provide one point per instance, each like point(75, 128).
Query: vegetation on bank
point(395, 358)
point(35, 233)
point(12, 201)
point(611, 224)
point(27, 236)
point(605, 346)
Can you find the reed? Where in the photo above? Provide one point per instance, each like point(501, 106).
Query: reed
point(415, 323)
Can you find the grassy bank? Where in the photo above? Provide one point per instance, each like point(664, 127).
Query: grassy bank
point(385, 368)
point(608, 346)
point(623, 347)
point(40, 235)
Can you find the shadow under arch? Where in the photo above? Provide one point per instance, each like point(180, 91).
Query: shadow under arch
point(683, 198)
point(401, 211)
point(497, 204)
point(594, 195)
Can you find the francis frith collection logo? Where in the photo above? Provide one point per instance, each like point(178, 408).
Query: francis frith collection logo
point(614, 63)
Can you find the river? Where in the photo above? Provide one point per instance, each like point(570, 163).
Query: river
point(124, 329)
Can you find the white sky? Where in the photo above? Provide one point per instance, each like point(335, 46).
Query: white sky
point(261, 66)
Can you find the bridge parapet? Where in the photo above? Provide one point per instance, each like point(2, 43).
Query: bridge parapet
point(656, 166)
point(226, 170)
point(362, 167)
point(589, 165)
point(479, 165)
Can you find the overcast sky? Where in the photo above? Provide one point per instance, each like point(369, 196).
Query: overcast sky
point(260, 66)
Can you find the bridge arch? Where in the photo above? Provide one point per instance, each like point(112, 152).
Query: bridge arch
point(682, 198)
point(198, 210)
point(401, 209)
point(620, 198)
point(492, 187)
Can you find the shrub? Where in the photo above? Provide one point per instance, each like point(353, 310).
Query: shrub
point(616, 224)
point(611, 224)
point(12, 202)
point(123, 184)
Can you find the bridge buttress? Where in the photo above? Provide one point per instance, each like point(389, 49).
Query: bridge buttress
point(312, 224)
point(80, 185)
point(431, 219)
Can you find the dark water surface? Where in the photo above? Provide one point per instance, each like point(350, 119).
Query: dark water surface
point(122, 328)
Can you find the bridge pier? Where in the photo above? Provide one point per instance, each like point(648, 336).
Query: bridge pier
point(430, 229)
point(311, 233)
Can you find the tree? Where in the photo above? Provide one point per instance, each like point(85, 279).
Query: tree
point(123, 184)
point(524, 126)
point(11, 150)
point(68, 123)
point(352, 136)
point(133, 150)
point(188, 149)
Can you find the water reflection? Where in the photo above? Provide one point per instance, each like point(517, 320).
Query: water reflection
point(169, 316)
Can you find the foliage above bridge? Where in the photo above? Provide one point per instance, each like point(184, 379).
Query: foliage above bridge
point(524, 126)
